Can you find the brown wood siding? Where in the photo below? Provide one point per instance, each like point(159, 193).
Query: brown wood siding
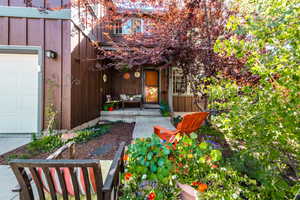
point(184, 104)
point(122, 86)
point(67, 75)
point(88, 90)
point(49, 35)
point(164, 85)
point(78, 90)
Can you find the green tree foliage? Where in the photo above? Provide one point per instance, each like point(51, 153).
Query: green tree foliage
point(263, 120)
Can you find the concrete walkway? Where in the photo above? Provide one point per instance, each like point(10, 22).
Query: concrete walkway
point(8, 181)
point(9, 142)
point(144, 125)
point(144, 120)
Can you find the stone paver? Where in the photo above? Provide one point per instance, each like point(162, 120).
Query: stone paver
point(144, 125)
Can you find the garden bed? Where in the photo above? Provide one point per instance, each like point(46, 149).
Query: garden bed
point(91, 144)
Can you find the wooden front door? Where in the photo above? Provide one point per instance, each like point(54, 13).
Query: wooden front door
point(151, 86)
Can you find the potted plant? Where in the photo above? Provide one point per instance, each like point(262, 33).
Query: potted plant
point(111, 108)
point(165, 109)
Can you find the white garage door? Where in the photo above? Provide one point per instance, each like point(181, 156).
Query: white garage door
point(19, 93)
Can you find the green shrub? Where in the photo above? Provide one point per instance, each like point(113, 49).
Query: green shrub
point(164, 109)
point(45, 144)
point(90, 133)
point(201, 166)
point(17, 156)
point(148, 170)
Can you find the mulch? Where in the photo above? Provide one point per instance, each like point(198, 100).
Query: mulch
point(118, 133)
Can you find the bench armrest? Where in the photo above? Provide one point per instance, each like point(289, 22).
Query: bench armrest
point(117, 166)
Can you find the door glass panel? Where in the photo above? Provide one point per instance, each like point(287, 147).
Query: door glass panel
point(151, 94)
point(151, 86)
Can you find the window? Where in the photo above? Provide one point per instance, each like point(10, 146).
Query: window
point(117, 27)
point(136, 26)
point(180, 84)
point(129, 26)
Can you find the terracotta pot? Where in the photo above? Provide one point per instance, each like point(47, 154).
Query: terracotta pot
point(187, 192)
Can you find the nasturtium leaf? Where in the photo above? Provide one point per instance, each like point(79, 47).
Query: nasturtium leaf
point(166, 151)
point(193, 135)
point(161, 162)
point(202, 159)
point(203, 146)
point(216, 155)
point(149, 156)
point(153, 168)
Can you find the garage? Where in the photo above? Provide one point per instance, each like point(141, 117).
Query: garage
point(20, 92)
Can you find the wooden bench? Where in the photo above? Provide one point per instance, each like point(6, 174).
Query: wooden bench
point(139, 102)
point(41, 171)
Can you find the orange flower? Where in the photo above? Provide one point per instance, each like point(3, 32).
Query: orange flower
point(196, 183)
point(202, 187)
point(190, 155)
point(151, 196)
point(214, 166)
point(127, 176)
point(125, 157)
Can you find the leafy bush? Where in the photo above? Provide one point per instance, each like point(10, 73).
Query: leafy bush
point(263, 119)
point(45, 144)
point(200, 165)
point(148, 170)
point(155, 168)
point(17, 156)
point(52, 142)
point(90, 133)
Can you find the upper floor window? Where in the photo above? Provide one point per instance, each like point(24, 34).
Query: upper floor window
point(117, 27)
point(129, 26)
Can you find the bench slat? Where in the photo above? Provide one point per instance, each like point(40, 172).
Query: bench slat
point(50, 182)
point(87, 183)
point(75, 183)
point(38, 182)
point(62, 182)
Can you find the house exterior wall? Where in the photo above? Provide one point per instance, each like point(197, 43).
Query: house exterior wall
point(49, 34)
point(88, 88)
point(184, 104)
point(119, 85)
point(70, 81)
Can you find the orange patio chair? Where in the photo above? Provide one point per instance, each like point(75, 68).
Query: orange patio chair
point(189, 124)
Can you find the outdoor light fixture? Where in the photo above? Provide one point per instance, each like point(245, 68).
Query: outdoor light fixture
point(51, 54)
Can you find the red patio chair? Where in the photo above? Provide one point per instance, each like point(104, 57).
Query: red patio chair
point(189, 124)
